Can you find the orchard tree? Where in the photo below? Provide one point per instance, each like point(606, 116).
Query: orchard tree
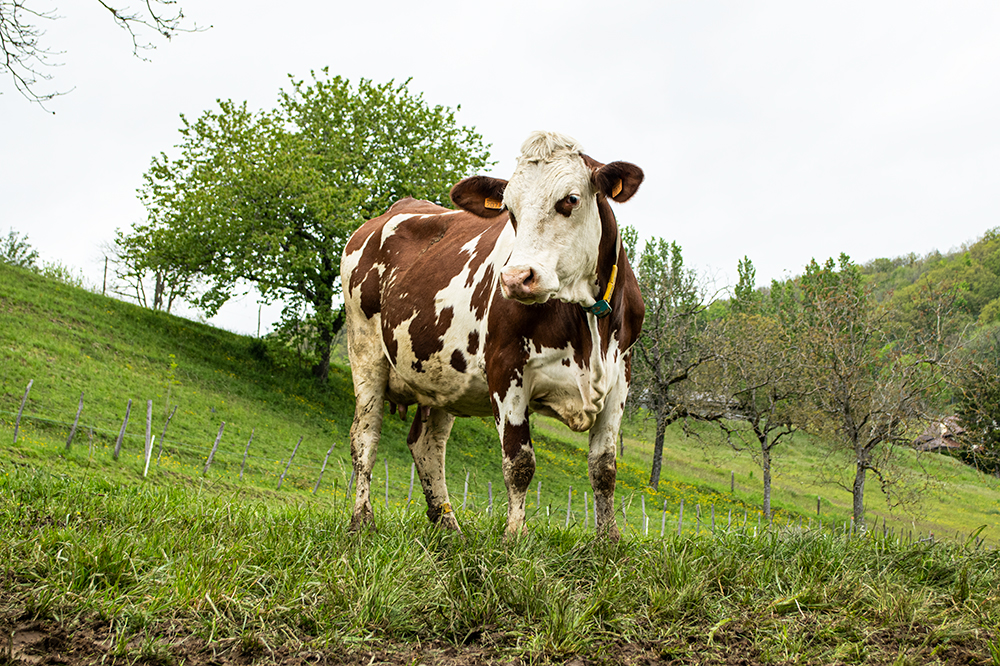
point(27, 59)
point(672, 344)
point(17, 251)
point(870, 387)
point(270, 198)
point(757, 373)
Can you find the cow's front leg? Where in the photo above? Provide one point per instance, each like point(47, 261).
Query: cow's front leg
point(518, 466)
point(427, 440)
point(601, 464)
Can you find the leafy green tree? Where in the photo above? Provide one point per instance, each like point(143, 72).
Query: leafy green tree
point(672, 343)
point(978, 403)
point(270, 198)
point(16, 251)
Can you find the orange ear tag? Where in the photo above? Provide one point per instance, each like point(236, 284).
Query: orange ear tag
point(493, 203)
point(616, 190)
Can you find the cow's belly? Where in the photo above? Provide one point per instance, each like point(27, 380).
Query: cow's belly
point(450, 379)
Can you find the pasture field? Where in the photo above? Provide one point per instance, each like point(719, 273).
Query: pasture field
point(99, 564)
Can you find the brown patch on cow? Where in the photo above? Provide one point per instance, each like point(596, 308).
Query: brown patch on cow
point(427, 334)
point(514, 438)
point(415, 429)
point(473, 343)
point(604, 472)
point(458, 361)
point(483, 292)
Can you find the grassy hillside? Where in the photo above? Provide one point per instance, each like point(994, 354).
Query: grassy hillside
point(70, 341)
point(99, 565)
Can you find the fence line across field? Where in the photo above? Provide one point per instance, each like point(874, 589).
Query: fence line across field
point(468, 502)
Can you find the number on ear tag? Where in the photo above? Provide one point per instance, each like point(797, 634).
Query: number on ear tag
point(493, 203)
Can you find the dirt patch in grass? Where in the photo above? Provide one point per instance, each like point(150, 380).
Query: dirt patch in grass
point(32, 642)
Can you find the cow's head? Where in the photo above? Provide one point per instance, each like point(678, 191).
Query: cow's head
point(553, 200)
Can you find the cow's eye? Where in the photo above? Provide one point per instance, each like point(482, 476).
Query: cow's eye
point(573, 199)
point(566, 205)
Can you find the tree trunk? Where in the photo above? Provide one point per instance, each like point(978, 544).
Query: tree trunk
point(654, 475)
point(859, 496)
point(765, 463)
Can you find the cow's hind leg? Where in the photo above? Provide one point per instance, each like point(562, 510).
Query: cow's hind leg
point(427, 439)
point(370, 371)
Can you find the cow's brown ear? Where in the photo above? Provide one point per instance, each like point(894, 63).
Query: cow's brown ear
point(618, 180)
point(480, 195)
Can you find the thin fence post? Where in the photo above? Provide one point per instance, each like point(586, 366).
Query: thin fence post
point(149, 454)
point(289, 464)
point(409, 493)
point(489, 489)
point(569, 505)
point(713, 516)
point(148, 448)
point(211, 454)
point(680, 518)
point(121, 434)
point(72, 431)
point(350, 483)
point(387, 483)
point(246, 450)
point(645, 518)
point(663, 520)
point(586, 512)
point(163, 436)
point(538, 495)
point(732, 482)
point(697, 513)
point(818, 498)
point(323, 468)
point(465, 494)
point(17, 424)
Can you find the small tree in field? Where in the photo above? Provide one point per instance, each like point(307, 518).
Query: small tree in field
point(870, 388)
point(978, 405)
point(16, 251)
point(757, 372)
point(671, 345)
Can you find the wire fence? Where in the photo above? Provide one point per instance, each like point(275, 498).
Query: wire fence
point(167, 455)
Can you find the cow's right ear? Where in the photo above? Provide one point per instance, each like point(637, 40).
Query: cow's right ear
point(480, 195)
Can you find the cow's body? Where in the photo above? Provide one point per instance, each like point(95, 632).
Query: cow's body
point(428, 325)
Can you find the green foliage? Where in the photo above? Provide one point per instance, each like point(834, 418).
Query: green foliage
point(270, 198)
point(978, 406)
point(16, 251)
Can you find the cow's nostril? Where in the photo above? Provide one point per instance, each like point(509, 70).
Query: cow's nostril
point(529, 278)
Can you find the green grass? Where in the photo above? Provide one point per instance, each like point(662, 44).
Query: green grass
point(245, 571)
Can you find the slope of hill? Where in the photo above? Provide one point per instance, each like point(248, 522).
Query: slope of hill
point(68, 341)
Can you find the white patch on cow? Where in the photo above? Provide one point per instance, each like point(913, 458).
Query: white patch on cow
point(560, 252)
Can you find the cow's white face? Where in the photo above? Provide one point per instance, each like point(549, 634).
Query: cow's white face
point(553, 206)
point(552, 199)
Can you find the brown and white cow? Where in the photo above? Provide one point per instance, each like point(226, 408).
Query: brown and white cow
point(491, 310)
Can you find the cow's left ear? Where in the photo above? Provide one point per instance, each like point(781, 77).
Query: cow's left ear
point(618, 180)
point(480, 195)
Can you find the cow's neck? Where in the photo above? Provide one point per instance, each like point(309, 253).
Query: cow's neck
point(607, 260)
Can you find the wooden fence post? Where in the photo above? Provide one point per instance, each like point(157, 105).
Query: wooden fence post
point(17, 424)
point(215, 447)
point(163, 435)
point(645, 518)
point(465, 494)
point(732, 482)
point(489, 489)
point(387, 484)
point(289, 464)
point(680, 518)
point(72, 431)
point(121, 433)
point(321, 469)
point(538, 495)
point(586, 512)
point(245, 452)
point(409, 493)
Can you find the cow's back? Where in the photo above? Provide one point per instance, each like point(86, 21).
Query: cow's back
point(421, 277)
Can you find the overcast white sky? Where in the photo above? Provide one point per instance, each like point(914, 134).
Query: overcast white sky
point(778, 130)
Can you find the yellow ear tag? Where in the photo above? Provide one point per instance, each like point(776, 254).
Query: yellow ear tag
point(493, 203)
point(616, 190)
